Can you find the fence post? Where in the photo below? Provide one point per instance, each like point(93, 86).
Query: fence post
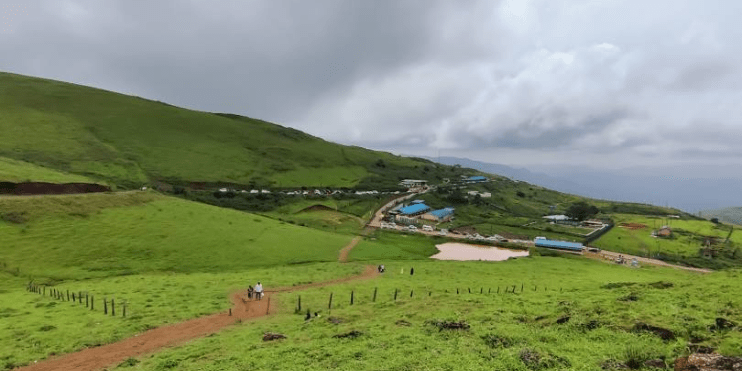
point(457, 291)
point(521, 287)
point(113, 307)
point(44, 291)
point(124, 309)
point(395, 294)
point(489, 290)
point(68, 295)
point(87, 303)
point(329, 305)
point(268, 307)
point(230, 312)
point(375, 289)
point(469, 288)
point(481, 290)
point(299, 304)
point(73, 297)
point(79, 296)
point(105, 306)
point(92, 302)
point(411, 291)
point(351, 297)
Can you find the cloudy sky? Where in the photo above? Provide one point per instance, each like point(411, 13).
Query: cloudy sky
point(602, 83)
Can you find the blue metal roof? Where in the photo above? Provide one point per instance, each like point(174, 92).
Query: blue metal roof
point(477, 177)
point(559, 244)
point(414, 209)
point(442, 213)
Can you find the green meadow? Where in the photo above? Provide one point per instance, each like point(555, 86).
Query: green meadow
point(687, 239)
point(602, 305)
point(18, 171)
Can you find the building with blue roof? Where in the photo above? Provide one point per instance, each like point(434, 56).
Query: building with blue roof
point(561, 245)
point(415, 209)
point(476, 179)
point(414, 202)
point(441, 215)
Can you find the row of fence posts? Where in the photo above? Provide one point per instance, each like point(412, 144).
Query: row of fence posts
point(76, 297)
point(507, 290)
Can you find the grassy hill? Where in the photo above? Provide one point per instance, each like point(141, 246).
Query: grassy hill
point(19, 171)
point(130, 141)
point(101, 235)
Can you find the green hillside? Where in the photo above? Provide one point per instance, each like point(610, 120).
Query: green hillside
point(101, 235)
point(18, 171)
point(130, 141)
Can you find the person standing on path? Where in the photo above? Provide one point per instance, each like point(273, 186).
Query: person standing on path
point(259, 291)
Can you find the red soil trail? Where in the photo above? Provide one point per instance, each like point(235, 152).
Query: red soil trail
point(343, 257)
point(98, 358)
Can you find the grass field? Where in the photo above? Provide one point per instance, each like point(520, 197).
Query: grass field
point(35, 326)
point(18, 171)
point(507, 331)
point(688, 237)
point(77, 237)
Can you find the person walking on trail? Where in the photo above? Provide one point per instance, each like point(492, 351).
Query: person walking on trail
point(250, 291)
point(258, 291)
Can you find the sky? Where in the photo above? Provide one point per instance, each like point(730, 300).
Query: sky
point(604, 84)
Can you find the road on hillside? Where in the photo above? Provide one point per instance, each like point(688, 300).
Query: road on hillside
point(98, 358)
point(613, 256)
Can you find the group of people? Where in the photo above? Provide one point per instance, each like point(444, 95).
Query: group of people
point(256, 292)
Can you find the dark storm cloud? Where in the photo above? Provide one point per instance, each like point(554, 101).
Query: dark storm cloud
point(616, 82)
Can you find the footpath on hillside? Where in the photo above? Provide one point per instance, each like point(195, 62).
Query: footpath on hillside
point(91, 359)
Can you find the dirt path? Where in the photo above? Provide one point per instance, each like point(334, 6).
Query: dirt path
point(91, 359)
point(612, 256)
point(343, 257)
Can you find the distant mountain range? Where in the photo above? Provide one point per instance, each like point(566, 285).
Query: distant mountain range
point(731, 215)
point(683, 188)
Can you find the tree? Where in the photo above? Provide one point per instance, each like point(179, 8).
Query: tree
point(581, 210)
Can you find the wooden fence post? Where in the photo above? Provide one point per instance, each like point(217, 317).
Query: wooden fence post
point(105, 306)
point(124, 309)
point(395, 294)
point(489, 290)
point(79, 296)
point(87, 303)
point(329, 305)
point(299, 304)
point(351, 297)
point(469, 288)
point(113, 307)
point(73, 297)
point(411, 293)
point(268, 307)
point(481, 290)
point(92, 302)
point(457, 291)
point(375, 289)
point(521, 287)
point(44, 291)
point(68, 295)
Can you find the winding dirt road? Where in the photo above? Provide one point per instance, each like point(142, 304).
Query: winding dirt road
point(91, 359)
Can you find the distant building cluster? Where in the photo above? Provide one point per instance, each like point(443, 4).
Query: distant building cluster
point(417, 210)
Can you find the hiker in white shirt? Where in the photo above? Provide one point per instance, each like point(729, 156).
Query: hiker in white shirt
point(259, 291)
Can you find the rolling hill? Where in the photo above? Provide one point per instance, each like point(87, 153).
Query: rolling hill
point(130, 141)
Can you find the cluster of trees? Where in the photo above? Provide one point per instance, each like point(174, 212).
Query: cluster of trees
point(581, 210)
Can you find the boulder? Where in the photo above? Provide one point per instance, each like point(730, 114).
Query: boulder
point(708, 362)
